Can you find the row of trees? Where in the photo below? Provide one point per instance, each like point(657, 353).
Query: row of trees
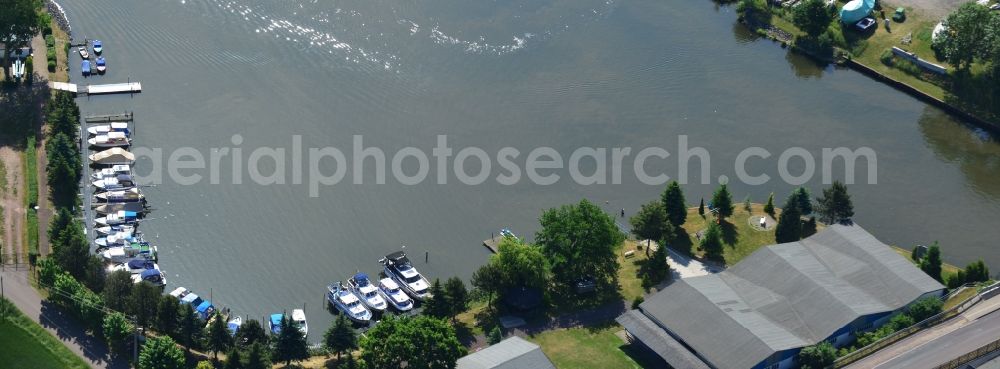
point(932, 264)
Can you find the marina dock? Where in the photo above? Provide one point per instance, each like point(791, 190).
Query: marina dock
point(112, 88)
point(493, 243)
point(108, 118)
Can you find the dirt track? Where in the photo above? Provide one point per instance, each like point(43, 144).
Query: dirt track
point(12, 200)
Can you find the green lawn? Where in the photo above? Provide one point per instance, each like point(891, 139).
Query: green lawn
point(596, 347)
point(739, 237)
point(25, 344)
point(629, 280)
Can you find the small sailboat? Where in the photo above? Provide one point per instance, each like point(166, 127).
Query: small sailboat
point(83, 52)
point(234, 325)
point(103, 129)
point(118, 218)
point(98, 47)
point(102, 65)
point(111, 139)
point(85, 67)
point(347, 303)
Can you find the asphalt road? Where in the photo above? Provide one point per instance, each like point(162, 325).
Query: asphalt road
point(929, 352)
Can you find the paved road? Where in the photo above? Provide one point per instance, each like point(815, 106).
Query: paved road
point(26, 298)
point(930, 348)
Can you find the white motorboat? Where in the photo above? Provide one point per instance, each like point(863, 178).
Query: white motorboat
point(363, 288)
point(108, 128)
point(398, 267)
point(119, 218)
point(391, 292)
point(129, 195)
point(153, 276)
point(119, 182)
point(113, 171)
point(110, 139)
point(106, 230)
point(134, 266)
point(122, 254)
point(117, 239)
point(347, 303)
point(83, 52)
point(299, 320)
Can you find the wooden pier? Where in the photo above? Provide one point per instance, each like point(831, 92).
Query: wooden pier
point(113, 88)
point(108, 118)
point(493, 244)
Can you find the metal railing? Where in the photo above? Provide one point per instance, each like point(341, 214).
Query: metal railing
point(970, 356)
point(863, 352)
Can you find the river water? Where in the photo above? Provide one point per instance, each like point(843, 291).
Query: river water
point(525, 74)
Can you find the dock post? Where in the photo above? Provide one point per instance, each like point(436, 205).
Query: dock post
point(427, 255)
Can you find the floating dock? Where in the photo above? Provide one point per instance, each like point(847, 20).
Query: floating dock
point(493, 243)
point(113, 88)
point(108, 118)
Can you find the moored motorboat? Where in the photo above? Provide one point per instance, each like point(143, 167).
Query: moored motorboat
point(85, 67)
point(153, 276)
point(106, 230)
point(117, 239)
point(363, 288)
point(129, 195)
point(274, 323)
point(234, 325)
point(398, 267)
point(112, 156)
point(98, 47)
point(83, 52)
point(114, 207)
point(119, 182)
point(122, 254)
point(299, 320)
point(102, 65)
point(104, 129)
point(347, 303)
point(391, 292)
point(118, 218)
point(110, 139)
point(135, 266)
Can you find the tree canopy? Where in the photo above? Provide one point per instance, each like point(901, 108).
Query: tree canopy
point(818, 356)
point(803, 200)
point(421, 342)
point(218, 336)
point(789, 228)
point(969, 34)
point(722, 202)
point(458, 296)
point(18, 22)
point(712, 242)
point(931, 263)
point(340, 338)
point(116, 329)
point(673, 204)
point(835, 206)
point(652, 223)
point(812, 17)
point(579, 240)
point(251, 332)
point(290, 344)
point(161, 353)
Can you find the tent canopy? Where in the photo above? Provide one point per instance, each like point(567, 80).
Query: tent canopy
point(856, 10)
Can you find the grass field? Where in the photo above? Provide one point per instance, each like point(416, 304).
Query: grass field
point(629, 280)
point(596, 347)
point(31, 176)
point(25, 344)
point(739, 237)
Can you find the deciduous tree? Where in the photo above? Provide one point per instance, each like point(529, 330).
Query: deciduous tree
point(931, 264)
point(818, 356)
point(967, 36)
point(651, 223)
point(580, 240)
point(116, 329)
point(812, 17)
point(421, 342)
point(161, 353)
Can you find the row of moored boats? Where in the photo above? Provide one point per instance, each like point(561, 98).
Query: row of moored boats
point(400, 288)
point(119, 204)
point(100, 65)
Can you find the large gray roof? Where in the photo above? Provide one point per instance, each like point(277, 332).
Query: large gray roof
point(643, 329)
point(787, 296)
point(511, 353)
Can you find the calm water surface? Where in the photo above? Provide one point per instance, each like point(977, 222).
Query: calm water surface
point(562, 73)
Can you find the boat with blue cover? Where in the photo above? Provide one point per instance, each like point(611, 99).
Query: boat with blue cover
point(98, 47)
point(298, 320)
point(135, 266)
point(153, 276)
point(363, 288)
point(118, 218)
point(102, 65)
point(85, 67)
point(234, 325)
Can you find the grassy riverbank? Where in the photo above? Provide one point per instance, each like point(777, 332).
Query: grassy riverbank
point(974, 92)
point(27, 345)
point(738, 236)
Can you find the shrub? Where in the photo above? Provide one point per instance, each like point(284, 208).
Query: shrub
point(50, 41)
point(495, 336)
point(638, 300)
point(52, 65)
point(924, 308)
point(886, 57)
